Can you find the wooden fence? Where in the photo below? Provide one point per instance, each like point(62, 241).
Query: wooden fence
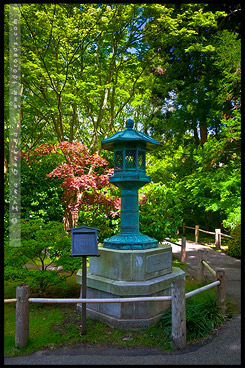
point(178, 296)
point(217, 234)
point(183, 247)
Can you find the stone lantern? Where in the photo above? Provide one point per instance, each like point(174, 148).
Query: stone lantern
point(129, 148)
point(131, 264)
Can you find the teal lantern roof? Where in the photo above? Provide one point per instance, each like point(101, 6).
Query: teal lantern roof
point(128, 135)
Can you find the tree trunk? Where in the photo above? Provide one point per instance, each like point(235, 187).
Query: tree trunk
point(74, 121)
point(196, 136)
point(203, 133)
point(68, 219)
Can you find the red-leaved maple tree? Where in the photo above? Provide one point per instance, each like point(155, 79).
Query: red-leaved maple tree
point(83, 175)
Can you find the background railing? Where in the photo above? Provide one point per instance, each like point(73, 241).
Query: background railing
point(217, 234)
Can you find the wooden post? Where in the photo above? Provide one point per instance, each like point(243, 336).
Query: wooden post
point(221, 291)
point(84, 282)
point(22, 316)
point(201, 269)
point(183, 228)
point(183, 249)
point(178, 337)
point(217, 238)
point(196, 233)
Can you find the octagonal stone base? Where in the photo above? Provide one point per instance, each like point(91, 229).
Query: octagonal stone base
point(118, 273)
point(131, 265)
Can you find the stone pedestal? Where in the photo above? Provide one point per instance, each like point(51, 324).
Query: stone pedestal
point(132, 273)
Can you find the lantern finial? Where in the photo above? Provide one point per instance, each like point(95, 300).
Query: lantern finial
point(130, 123)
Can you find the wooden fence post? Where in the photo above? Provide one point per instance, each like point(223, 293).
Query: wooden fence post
point(84, 286)
point(178, 336)
point(201, 269)
point(183, 228)
point(221, 291)
point(217, 238)
point(196, 233)
point(183, 249)
point(22, 316)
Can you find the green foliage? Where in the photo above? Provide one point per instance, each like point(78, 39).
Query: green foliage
point(233, 218)
point(96, 217)
point(79, 70)
point(41, 245)
point(185, 83)
point(164, 165)
point(101, 214)
point(228, 59)
point(216, 190)
point(41, 195)
point(197, 97)
point(206, 178)
point(159, 213)
point(234, 245)
point(202, 318)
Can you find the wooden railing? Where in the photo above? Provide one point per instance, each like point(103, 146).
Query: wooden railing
point(178, 296)
point(217, 234)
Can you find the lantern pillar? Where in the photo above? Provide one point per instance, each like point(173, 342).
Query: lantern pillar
point(129, 211)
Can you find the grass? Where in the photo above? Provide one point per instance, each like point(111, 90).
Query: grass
point(41, 333)
point(53, 325)
point(177, 263)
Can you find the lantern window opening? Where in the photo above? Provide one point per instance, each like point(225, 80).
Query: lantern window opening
point(130, 159)
point(141, 160)
point(118, 160)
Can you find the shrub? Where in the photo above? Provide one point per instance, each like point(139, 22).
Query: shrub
point(202, 317)
point(233, 218)
point(41, 245)
point(234, 244)
point(102, 214)
point(107, 224)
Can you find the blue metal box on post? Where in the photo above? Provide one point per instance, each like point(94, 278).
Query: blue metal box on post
point(84, 244)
